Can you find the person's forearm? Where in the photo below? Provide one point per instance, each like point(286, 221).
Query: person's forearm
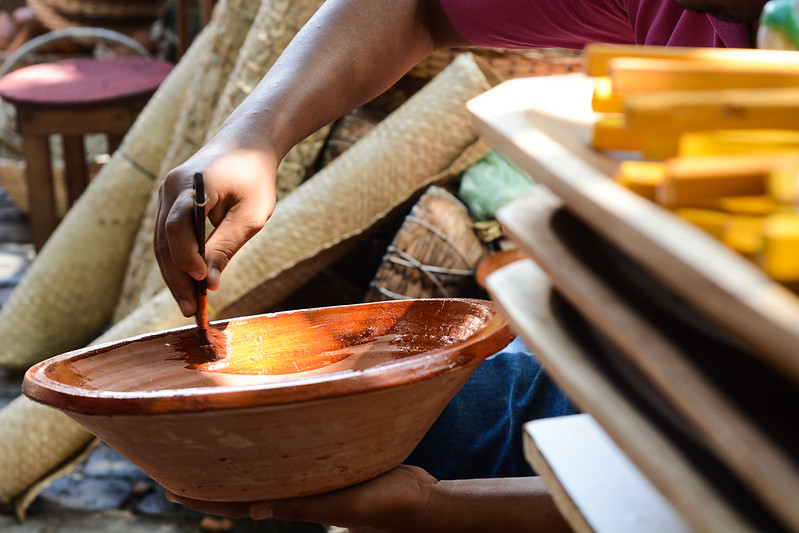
point(348, 53)
point(504, 504)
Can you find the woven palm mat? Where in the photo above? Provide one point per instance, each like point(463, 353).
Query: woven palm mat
point(506, 62)
point(434, 254)
point(228, 28)
point(35, 441)
point(276, 24)
point(68, 294)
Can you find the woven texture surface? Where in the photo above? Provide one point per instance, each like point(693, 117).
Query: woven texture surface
point(506, 62)
point(227, 30)
point(120, 15)
point(34, 440)
point(434, 254)
point(69, 293)
point(276, 23)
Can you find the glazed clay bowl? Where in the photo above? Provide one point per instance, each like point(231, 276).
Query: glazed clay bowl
point(304, 401)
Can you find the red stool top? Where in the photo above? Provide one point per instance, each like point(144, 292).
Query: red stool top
point(84, 81)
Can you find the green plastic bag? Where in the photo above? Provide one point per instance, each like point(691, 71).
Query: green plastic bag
point(491, 183)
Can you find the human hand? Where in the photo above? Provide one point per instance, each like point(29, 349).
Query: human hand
point(391, 502)
point(240, 197)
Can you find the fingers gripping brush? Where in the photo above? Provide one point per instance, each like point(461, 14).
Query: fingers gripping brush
point(215, 340)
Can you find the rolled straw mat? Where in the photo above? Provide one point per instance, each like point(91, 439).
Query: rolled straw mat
point(275, 24)
point(229, 25)
point(39, 443)
point(68, 294)
point(34, 441)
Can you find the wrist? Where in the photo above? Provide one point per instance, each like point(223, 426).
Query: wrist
point(428, 510)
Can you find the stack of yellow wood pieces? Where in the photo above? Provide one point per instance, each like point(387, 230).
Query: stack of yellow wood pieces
point(711, 134)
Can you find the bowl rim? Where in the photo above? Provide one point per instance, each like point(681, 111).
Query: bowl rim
point(494, 335)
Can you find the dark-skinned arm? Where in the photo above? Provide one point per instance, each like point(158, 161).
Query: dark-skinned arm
point(409, 499)
point(347, 54)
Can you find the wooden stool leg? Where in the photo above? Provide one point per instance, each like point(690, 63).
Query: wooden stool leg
point(75, 173)
point(207, 10)
point(39, 178)
point(183, 18)
point(113, 142)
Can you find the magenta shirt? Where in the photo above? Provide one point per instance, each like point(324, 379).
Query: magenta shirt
point(574, 23)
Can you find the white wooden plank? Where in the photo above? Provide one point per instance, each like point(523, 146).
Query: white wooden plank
point(593, 477)
point(544, 125)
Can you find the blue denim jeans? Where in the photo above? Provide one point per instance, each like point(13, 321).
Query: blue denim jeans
point(479, 434)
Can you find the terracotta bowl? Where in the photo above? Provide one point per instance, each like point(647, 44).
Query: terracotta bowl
point(304, 401)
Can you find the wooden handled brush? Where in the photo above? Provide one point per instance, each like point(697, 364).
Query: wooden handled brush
point(215, 344)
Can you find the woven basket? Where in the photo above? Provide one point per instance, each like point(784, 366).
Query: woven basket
point(434, 254)
point(121, 15)
point(68, 294)
point(506, 62)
